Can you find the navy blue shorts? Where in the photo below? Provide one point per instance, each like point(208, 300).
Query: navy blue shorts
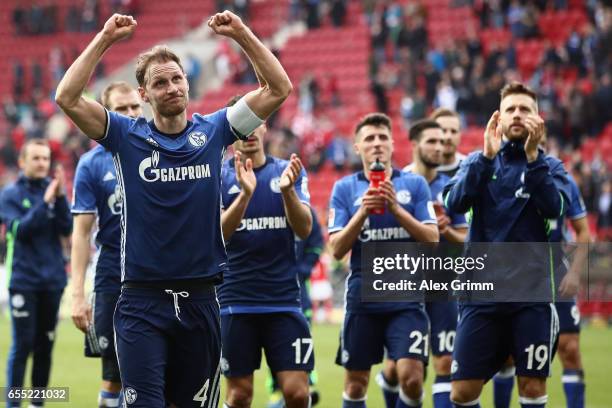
point(169, 347)
point(569, 317)
point(100, 338)
point(366, 336)
point(487, 334)
point(284, 337)
point(443, 320)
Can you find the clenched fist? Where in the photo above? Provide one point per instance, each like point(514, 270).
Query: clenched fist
point(227, 24)
point(119, 27)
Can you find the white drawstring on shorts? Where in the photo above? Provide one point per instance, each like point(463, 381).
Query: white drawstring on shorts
point(175, 296)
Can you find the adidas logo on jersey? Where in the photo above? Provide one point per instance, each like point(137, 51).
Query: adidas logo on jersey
point(108, 176)
point(233, 190)
point(151, 141)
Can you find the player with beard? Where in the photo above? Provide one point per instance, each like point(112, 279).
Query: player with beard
point(450, 123)
point(567, 309)
point(172, 250)
point(512, 188)
point(428, 146)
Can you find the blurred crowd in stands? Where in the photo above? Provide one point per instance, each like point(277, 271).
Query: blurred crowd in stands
point(572, 79)
point(41, 19)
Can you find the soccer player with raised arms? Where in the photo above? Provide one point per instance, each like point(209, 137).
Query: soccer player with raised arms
point(512, 188)
point(266, 203)
point(97, 196)
point(172, 250)
point(402, 328)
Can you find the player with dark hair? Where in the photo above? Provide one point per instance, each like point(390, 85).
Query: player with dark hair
point(429, 140)
point(402, 328)
point(266, 203)
point(450, 123)
point(169, 170)
point(97, 203)
point(568, 348)
point(36, 214)
point(512, 189)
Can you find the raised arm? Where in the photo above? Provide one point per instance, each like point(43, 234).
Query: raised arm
point(87, 114)
point(275, 85)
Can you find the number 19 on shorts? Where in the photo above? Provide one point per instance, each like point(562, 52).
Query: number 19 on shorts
point(539, 353)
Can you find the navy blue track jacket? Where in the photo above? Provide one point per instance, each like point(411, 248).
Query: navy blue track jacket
point(509, 199)
point(34, 251)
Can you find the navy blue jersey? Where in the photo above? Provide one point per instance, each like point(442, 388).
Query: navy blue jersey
point(412, 194)
point(262, 275)
point(96, 192)
point(435, 188)
point(170, 221)
point(575, 210)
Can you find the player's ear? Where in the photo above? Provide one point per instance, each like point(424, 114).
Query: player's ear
point(143, 94)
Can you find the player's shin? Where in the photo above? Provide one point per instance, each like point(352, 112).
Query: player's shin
point(390, 390)
point(441, 391)
point(108, 399)
point(503, 383)
point(404, 401)
point(573, 387)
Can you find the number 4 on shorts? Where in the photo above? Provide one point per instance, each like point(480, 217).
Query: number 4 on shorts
point(201, 396)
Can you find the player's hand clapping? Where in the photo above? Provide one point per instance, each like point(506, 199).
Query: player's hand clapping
point(227, 24)
point(535, 127)
point(291, 173)
point(119, 27)
point(57, 187)
point(492, 136)
point(245, 174)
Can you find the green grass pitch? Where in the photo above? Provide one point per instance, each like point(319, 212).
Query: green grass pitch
point(71, 369)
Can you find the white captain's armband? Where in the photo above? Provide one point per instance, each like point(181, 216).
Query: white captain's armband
point(242, 119)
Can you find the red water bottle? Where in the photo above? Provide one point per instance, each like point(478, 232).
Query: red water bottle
point(377, 176)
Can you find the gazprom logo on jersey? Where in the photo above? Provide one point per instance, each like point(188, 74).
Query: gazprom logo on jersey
point(149, 171)
point(262, 223)
point(381, 234)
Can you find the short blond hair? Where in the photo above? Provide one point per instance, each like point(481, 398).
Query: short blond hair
point(442, 113)
point(159, 53)
point(120, 86)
